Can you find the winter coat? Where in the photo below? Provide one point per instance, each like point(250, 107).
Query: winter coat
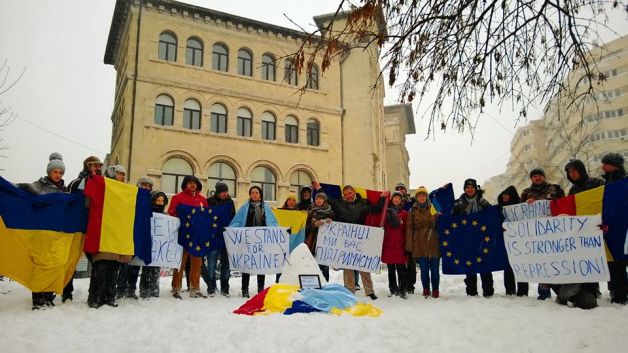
point(311, 230)
point(585, 182)
point(462, 203)
point(305, 203)
point(514, 196)
point(354, 212)
point(545, 191)
point(42, 186)
point(615, 176)
point(393, 248)
point(421, 235)
point(186, 198)
point(216, 201)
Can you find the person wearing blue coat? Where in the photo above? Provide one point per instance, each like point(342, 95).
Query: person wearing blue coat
point(255, 213)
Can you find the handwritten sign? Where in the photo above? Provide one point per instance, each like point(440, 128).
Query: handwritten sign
point(166, 252)
point(257, 250)
point(564, 249)
point(521, 211)
point(350, 246)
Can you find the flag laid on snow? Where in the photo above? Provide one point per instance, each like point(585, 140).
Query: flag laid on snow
point(40, 237)
point(612, 202)
point(201, 227)
point(119, 218)
point(295, 221)
point(472, 243)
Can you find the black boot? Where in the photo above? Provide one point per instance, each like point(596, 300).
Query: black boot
point(95, 285)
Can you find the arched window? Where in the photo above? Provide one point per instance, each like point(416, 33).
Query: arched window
point(269, 126)
point(194, 52)
point(245, 62)
point(167, 46)
point(164, 110)
point(299, 179)
point(218, 119)
point(172, 174)
point(266, 180)
point(268, 67)
point(221, 171)
point(313, 132)
point(290, 74)
point(312, 78)
point(220, 57)
point(244, 123)
point(192, 115)
point(292, 129)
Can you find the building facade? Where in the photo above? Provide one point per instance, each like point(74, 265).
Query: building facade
point(216, 95)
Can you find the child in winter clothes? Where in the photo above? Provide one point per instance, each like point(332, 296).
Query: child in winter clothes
point(255, 213)
point(51, 183)
point(320, 212)
point(393, 249)
point(422, 242)
point(149, 281)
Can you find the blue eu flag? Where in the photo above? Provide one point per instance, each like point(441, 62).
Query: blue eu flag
point(201, 227)
point(472, 243)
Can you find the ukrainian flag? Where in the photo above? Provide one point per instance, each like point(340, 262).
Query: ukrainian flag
point(119, 218)
point(40, 237)
point(295, 221)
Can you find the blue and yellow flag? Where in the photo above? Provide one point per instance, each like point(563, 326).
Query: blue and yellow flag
point(201, 227)
point(40, 237)
point(472, 243)
point(295, 221)
point(442, 199)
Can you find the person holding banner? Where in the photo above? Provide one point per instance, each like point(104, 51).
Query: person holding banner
point(190, 196)
point(255, 213)
point(319, 213)
point(540, 189)
point(149, 280)
point(393, 248)
point(51, 183)
point(508, 197)
point(471, 202)
point(352, 208)
point(613, 167)
point(306, 199)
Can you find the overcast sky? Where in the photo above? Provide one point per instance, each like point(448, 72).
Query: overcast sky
point(64, 100)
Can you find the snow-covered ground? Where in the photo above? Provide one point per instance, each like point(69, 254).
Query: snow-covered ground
point(452, 323)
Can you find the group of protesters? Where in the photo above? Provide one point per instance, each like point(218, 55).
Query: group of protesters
point(409, 223)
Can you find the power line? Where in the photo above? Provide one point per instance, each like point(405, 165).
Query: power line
point(60, 136)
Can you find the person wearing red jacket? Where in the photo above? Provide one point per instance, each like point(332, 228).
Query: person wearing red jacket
point(393, 248)
point(190, 196)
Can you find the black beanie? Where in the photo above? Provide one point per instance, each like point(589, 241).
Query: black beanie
point(471, 182)
point(614, 159)
point(537, 171)
point(221, 187)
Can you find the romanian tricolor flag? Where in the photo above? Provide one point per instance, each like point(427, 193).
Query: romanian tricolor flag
point(372, 196)
point(295, 221)
point(287, 299)
point(119, 218)
point(612, 202)
point(40, 237)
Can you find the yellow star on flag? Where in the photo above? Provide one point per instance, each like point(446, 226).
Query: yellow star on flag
point(210, 211)
point(454, 225)
point(483, 228)
point(207, 244)
point(478, 259)
point(193, 210)
point(187, 224)
point(189, 216)
point(190, 244)
point(445, 243)
point(214, 225)
point(485, 251)
point(464, 221)
point(468, 263)
point(215, 218)
point(198, 248)
point(487, 239)
point(475, 223)
point(446, 232)
point(449, 254)
point(187, 236)
point(457, 262)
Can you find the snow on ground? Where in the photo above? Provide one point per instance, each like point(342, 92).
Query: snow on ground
point(452, 323)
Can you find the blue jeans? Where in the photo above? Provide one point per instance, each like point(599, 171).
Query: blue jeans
point(430, 267)
point(212, 259)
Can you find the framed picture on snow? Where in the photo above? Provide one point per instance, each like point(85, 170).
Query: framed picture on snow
point(310, 281)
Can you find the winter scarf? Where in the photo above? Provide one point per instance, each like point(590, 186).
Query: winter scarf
point(256, 208)
point(392, 219)
point(472, 204)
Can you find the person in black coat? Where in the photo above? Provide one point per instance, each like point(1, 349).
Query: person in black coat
point(470, 202)
point(305, 199)
point(579, 178)
point(508, 197)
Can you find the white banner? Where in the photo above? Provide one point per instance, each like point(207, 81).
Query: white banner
point(257, 250)
point(166, 250)
point(350, 246)
point(564, 249)
point(521, 211)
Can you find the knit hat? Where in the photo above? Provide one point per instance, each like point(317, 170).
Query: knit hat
point(614, 159)
point(221, 187)
point(471, 182)
point(321, 195)
point(400, 185)
point(537, 171)
point(421, 190)
point(396, 194)
point(90, 160)
point(119, 169)
point(145, 180)
point(56, 162)
point(291, 196)
point(110, 172)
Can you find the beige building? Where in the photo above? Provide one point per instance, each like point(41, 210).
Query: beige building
point(585, 130)
point(398, 122)
point(216, 95)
